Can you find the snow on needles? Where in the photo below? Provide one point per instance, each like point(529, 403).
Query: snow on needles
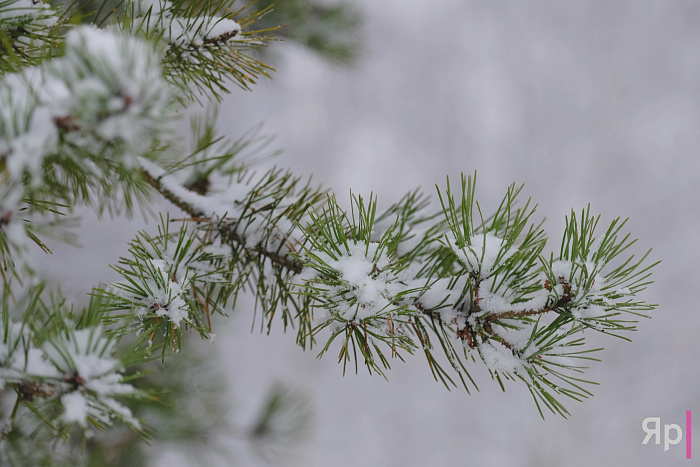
point(482, 253)
point(21, 12)
point(159, 15)
point(115, 90)
point(366, 288)
point(500, 359)
point(167, 292)
point(92, 374)
point(75, 367)
point(27, 130)
point(107, 89)
point(28, 16)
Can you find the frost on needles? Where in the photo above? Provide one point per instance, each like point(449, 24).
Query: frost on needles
point(90, 116)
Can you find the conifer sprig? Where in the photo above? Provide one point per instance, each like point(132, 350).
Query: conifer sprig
point(480, 285)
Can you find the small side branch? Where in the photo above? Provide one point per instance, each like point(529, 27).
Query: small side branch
point(483, 327)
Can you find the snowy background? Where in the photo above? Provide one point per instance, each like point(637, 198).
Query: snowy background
point(582, 101)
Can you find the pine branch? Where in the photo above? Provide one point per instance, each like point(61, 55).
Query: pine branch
point(501, 276)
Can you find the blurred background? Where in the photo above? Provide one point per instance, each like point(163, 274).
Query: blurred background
point(582, 101)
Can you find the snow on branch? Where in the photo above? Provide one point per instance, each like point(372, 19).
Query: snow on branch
point(26, 29)
point(206, 45)
point(483, 286)
point(75, 369)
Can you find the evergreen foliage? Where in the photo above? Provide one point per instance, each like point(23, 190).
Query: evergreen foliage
point(89, 100)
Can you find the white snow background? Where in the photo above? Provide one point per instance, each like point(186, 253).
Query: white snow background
point(582, 101)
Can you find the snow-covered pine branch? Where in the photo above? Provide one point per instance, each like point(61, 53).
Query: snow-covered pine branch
point(378, 283)
point(93, 121)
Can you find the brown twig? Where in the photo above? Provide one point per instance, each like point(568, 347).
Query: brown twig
point(28, 390)
point(223, 37)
